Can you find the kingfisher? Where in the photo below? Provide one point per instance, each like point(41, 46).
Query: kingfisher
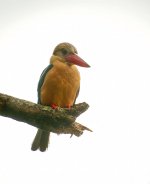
point(58, 86)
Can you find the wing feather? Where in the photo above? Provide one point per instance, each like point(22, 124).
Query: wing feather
point(41, 80)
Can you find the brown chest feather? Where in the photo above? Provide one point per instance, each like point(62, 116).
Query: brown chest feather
point(61, 85)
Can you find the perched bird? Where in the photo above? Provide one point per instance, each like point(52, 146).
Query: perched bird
point(59, 85)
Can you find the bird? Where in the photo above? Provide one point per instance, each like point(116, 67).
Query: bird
point(58, 86)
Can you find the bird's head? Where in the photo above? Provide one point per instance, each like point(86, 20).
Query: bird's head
point(68, 53)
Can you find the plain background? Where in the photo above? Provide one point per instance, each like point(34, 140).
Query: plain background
point(114, 38)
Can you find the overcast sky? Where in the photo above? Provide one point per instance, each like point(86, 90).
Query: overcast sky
point(114, 38)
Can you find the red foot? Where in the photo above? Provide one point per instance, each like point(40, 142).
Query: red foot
point(68, 106)
point(54, 106)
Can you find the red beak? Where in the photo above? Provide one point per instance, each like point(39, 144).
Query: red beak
point(75, 59)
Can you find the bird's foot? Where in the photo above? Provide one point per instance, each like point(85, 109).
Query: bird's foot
point(54, 106)
point(68, 106)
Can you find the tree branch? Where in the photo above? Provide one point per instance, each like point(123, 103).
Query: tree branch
point(60, 121)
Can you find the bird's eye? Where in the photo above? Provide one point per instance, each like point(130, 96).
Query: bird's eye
point(64, 51)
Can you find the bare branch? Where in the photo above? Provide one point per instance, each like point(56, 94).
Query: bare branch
point(60, 121)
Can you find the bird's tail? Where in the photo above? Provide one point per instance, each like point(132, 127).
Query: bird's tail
point(40, 141)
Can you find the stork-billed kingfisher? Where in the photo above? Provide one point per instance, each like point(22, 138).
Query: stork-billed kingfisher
point(59, 85)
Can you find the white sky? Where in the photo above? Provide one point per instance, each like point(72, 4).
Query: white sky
point(114, 38)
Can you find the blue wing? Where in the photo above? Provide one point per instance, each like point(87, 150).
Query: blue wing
point(41, 80)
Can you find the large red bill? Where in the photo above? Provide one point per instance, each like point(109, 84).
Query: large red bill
point(75, 59)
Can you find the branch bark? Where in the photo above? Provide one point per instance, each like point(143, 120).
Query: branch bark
point(60, 121)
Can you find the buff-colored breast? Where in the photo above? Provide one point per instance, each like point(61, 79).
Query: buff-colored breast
point(61, 85)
